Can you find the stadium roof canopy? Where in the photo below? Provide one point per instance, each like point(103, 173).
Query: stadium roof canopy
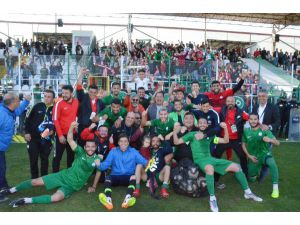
point(284, 19)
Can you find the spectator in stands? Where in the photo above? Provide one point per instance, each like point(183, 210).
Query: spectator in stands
point(39, 130)
point(9, 110)
point(44, 76)
point(2, 44)
point(26, 73)
point(282, 106)
point(141, 80)
point(79, 52)
point(64, 113)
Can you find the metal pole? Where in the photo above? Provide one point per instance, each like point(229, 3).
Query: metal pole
point(292, 74)
point(180, 35)
point(104, 33)
point(251, 99)
point(55, 17)
point(129, 33)
point(217, 69)
point(205, 30)
point(19, 69)
point(122, 70)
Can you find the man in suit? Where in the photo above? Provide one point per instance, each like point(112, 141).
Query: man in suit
point(89, 106)
point(268, 113)
point(154, 108)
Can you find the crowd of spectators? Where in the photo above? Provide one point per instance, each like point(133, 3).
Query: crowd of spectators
point(285, 60)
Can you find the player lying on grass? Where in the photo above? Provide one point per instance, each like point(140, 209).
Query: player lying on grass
point(200, 146)
point(256, 145)
point(67, 181)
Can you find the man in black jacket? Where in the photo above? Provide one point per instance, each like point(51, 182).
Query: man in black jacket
point(39, 130)
point(90, 105)
point(235, 119)
point(268, 113)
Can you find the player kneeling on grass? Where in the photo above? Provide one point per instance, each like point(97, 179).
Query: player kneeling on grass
point(122, 160)
point(67, 181)
point(256, 145)
point(162, 170)
point(200, 146)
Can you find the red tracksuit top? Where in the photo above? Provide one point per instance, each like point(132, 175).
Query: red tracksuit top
point(217, 101)
point(64, 114)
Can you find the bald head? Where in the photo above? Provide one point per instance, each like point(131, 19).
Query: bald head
point(230, 102)
point(130, 118)
point(11, 101)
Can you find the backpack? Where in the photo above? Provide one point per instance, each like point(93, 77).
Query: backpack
point(187, 179)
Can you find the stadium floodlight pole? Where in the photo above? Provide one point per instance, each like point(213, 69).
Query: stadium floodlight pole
point(19, 70)
point(122, 70)
point(217, 69)
point(55, 18)
point(129, 31)
point(292, 74)
point(205, 41)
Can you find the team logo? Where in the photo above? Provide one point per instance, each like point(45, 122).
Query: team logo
point(260, 134)
point(221, 97)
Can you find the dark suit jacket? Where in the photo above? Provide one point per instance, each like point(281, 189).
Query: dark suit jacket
point(271, 116)
point(85, 108)
point(152, 111)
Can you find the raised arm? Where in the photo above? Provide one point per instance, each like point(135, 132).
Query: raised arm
point(70, 139)
point(225, 139)
point(176, 130)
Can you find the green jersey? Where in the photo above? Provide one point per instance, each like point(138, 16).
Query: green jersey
point(200, 148)
point(254, 140)
point(163, 128)
point(107, 100)
point(111, 116)
point(82, 168)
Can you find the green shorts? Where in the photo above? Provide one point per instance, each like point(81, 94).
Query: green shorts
point(220, 165)
point(55, 180)
point(255, 168)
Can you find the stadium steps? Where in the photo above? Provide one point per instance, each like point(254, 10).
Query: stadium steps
point(270, 76)
point(278, 71)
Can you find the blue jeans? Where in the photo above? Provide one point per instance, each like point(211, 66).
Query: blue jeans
point(3, 182)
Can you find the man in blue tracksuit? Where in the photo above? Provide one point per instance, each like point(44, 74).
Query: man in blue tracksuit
point(10, 108)
point(122, 161)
